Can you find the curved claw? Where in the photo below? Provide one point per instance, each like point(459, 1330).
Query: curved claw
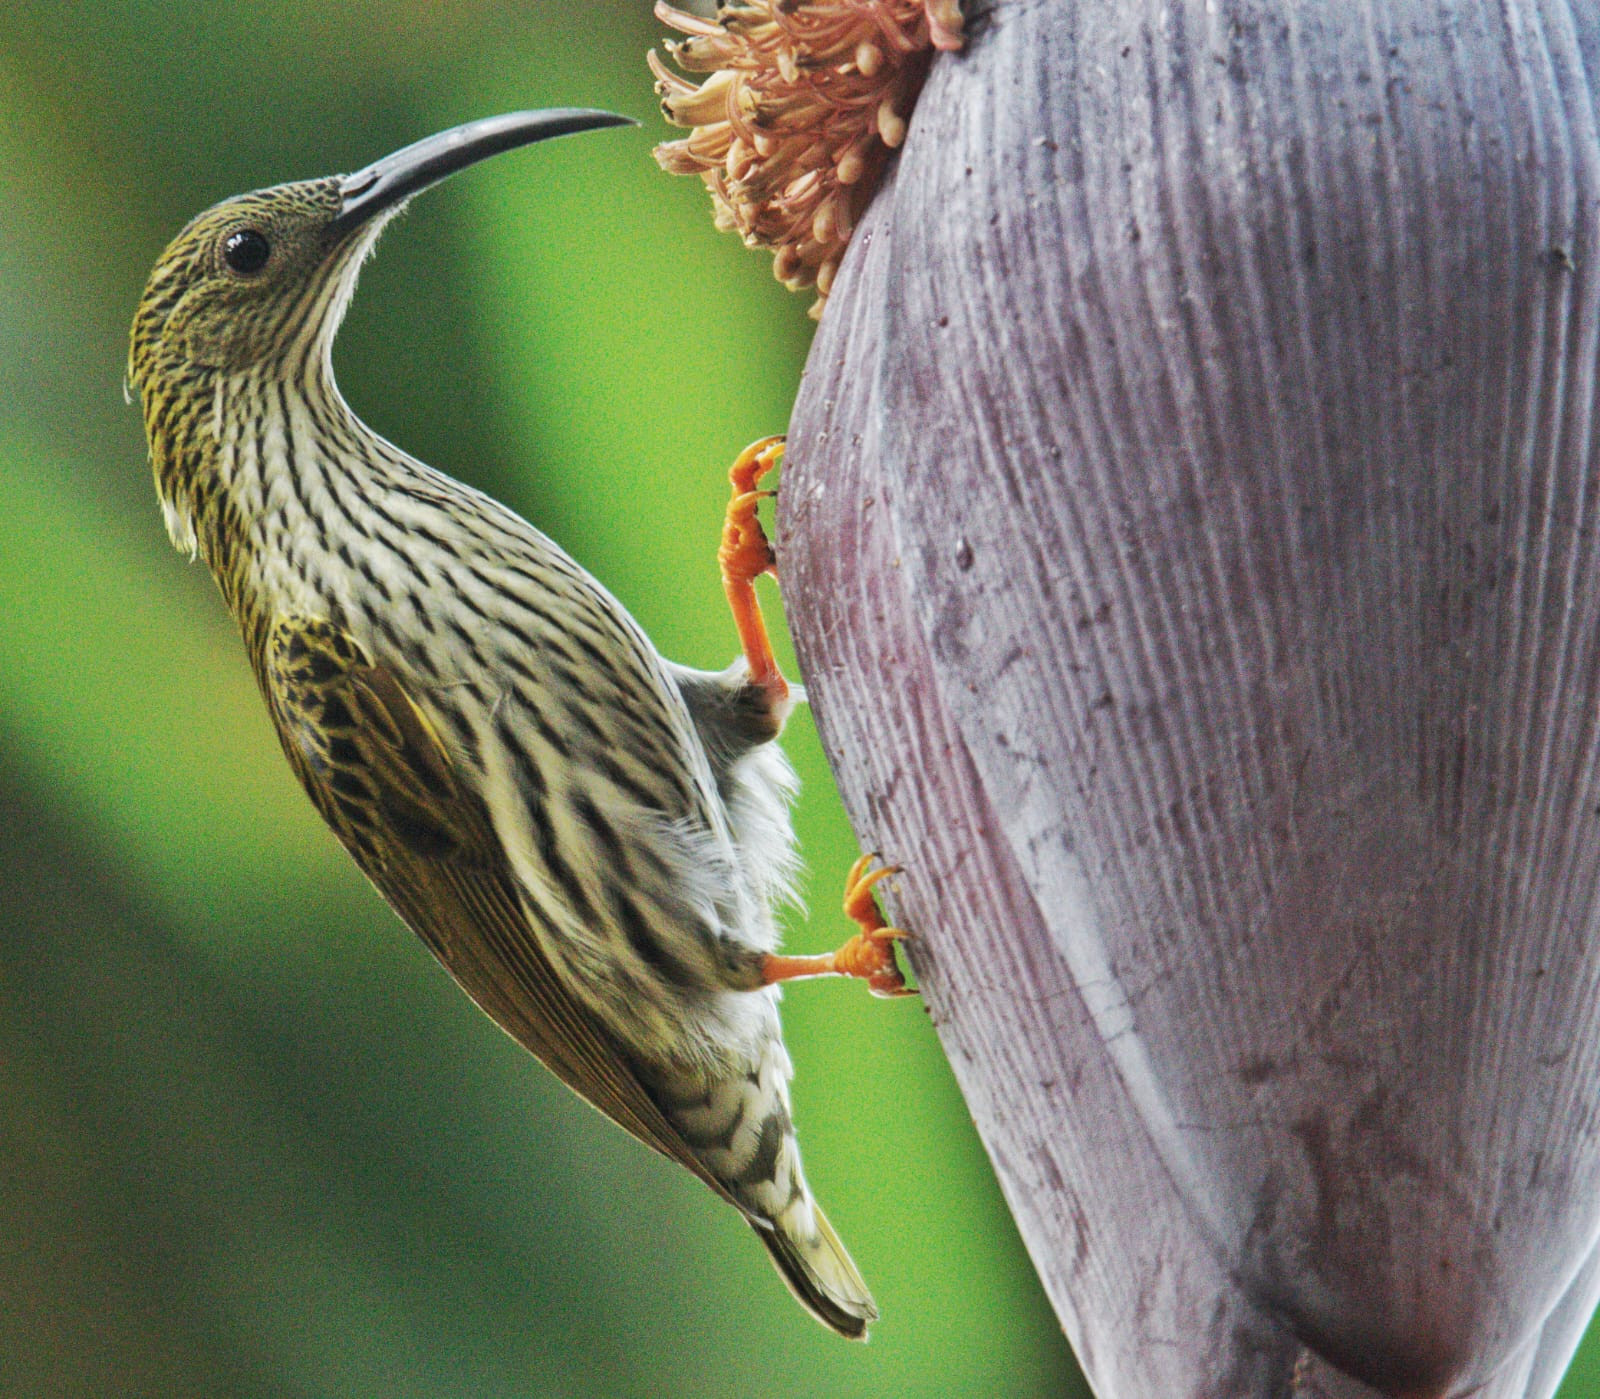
point(755, 462)
point(859, 904)
point(869, 955)
point(744, 555)
point(745, 552)
point(890, 988)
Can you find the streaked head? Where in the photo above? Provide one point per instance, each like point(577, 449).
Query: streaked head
point(261, 281)
point(268, 274)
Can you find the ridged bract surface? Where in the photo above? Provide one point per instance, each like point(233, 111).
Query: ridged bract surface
point(1190, 537)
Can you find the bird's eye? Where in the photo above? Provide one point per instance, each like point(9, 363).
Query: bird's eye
point(246, 250)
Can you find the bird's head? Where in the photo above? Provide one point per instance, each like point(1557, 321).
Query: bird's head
point(263, 279)
point(245, 280)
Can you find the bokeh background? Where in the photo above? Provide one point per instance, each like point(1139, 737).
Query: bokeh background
point(252, 1140)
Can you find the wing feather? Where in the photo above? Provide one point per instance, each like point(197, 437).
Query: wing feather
point(377, 771)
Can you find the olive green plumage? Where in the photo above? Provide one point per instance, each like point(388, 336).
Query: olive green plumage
point(591, 839)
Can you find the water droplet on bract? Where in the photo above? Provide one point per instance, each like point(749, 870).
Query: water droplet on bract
point(963, 555)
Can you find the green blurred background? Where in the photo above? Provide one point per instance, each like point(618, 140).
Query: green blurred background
point(252, 1140)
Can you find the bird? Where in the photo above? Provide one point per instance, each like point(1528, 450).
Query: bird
point(591, 839)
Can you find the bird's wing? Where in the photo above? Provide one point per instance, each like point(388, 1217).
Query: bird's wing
point(382, 779)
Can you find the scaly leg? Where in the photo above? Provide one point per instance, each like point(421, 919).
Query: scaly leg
point(744, 556)
point(868, 955)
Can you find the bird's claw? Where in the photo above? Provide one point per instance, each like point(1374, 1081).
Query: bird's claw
point(746, 552)
point(755, 462)
point(744, 555)
point(870, 953)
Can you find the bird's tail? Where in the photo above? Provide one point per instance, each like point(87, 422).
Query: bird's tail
point(819, 1272)
point(739, 1130)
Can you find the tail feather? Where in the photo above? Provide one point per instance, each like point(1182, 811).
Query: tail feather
point(739, 1128)
point(819, 1271)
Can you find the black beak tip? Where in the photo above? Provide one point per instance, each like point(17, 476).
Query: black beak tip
point(396, 177)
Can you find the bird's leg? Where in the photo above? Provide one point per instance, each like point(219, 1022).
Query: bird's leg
point(868, 955)
point(744, 556)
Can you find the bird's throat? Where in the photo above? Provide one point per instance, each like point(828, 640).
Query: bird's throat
point(240, 464)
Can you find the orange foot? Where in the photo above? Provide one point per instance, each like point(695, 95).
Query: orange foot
point(745, 555)
point(868, 955)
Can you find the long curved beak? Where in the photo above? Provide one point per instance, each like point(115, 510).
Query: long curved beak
point(394, 179)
